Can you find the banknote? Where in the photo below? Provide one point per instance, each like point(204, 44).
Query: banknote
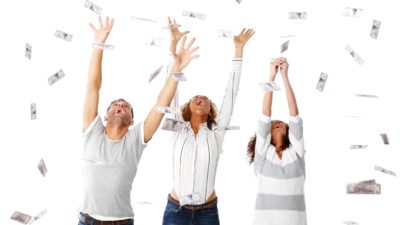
point(63, 35)
point(383, 170)
point(239, 1)
point(364, 187)
point(172, 124)
point(144, 19)
point(269, 86)
point(229, 128)
point(170, 26)
point(196, 15)
point(28, 51)
point(351, 223)
point(354, 55)
point(358, 146)
point(33, 111)
point(168, 110)
point(56, 77)
point(155, 73)
point(385, 139)
point(375, 29)
point(225, 33)
point(95, 8)
point(284, 46)
point(103, 46)
point(21, 217)
point(37, 216)
point(42, 167)
point(154, 41)
point(297, 15)
point(352, 12)
point(322, 81)
point(179, 76)
point(366, 95)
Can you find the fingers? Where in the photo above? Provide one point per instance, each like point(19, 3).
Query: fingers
point(100, 22)
point(189, 46)
point(111, 23)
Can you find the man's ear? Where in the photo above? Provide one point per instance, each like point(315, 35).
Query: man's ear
point(131, 122)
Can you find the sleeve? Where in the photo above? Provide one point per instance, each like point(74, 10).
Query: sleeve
point(95, 128)
point(228, 102)
point(296, 134)
point(263, 139)
point(138, 131)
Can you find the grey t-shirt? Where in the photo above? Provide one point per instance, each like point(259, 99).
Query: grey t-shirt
point(108, 169)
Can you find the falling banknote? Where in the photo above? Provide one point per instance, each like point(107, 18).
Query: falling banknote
point(321, 82)
point(179, 76)
point(33, 111)
point(366, 95)
point(28, 51)
point(155, 73)
point(352, 12)
point(154, 41)
point(269, 86)
point(42, 167)
point(103, 46)
point(354, 55)
point(385, 139)
point(375, 29)
point(284, 46)
point(63, 35)
point(21, 217)
point(229, 128)
point(172, 124)
point(383, 170)
point(144, 19)
point(195, 15)
point(358, 146)
point(225, 33)
point(350, 223)
point(168, 110)
point(297, 15)
point(57, 76)
point(36, 217)
point(364, 187)
point(95, 8)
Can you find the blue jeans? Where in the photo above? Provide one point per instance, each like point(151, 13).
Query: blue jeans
point(98, 222)
point(175, 214)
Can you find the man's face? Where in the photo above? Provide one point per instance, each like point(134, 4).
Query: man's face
point(120, 112)
point(200, 105)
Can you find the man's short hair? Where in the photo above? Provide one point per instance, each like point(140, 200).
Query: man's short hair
point(121, 100)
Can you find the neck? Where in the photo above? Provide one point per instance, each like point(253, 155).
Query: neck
point(115, 132)
point(195, 122)
point(278, 142)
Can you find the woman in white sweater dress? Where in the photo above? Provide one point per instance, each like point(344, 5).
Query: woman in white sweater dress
point(277, 152)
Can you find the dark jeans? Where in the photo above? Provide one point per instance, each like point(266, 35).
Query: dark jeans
point(99, 222)
point(175, 214)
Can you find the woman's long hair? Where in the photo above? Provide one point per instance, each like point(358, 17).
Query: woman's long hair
point(251, 146)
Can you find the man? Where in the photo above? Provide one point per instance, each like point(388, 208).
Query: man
point(112, 152)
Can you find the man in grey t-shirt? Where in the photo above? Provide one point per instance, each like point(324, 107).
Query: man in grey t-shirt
point(112, 152)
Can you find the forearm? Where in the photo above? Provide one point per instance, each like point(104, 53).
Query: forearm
point(291, 98)
point(95, 72)
point(238, 51)
point(267, 103)
point(168, 91)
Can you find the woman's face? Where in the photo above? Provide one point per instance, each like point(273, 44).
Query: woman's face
point(200, 105)
point(278, 128)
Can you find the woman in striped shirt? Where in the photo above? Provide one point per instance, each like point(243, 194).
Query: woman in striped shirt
point(197, 144)
point(277, 152)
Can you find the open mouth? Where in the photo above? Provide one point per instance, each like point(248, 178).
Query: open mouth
point(119, 111)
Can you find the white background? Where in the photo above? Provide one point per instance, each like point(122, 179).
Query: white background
point(333, 119)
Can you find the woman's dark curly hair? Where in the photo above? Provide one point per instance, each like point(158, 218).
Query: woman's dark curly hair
point(212, 115)
point(251, 146)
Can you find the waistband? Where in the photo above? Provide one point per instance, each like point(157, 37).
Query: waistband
point(85, 218)
point(207, 205)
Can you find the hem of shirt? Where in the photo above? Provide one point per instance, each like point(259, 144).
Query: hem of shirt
point(265, 118)
point(108, 218)
point(294, 119)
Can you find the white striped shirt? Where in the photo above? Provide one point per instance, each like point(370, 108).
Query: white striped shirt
point(195, 158)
